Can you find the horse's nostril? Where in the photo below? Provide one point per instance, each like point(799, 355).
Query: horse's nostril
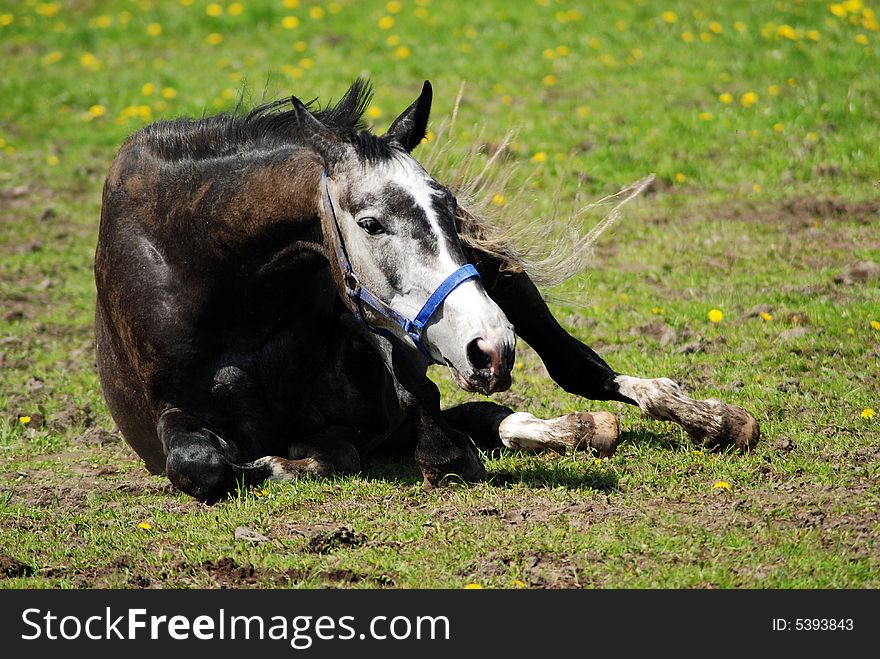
point(479, 354)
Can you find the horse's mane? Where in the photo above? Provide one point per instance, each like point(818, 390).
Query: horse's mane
point(267, 126)
point(497, 212)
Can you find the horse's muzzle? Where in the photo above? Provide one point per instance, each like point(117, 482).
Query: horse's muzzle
point(491, 363)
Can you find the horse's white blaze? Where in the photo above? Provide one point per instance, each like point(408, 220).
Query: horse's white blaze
point(469, 301)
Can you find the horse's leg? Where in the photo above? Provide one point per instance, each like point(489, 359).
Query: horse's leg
point(202, 464)
point(441, 450)
point(491, 426)
point(579, 370)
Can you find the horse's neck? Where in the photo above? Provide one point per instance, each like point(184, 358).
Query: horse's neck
point(275, 196)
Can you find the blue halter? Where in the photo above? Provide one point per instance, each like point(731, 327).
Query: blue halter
point(359, 294)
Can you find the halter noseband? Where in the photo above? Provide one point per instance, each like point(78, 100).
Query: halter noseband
point(359, 294)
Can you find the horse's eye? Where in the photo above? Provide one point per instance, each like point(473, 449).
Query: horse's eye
point(371, 225)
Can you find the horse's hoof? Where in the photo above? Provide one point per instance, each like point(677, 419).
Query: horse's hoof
point(467, 469)
point(732, 427)
point(598, 431)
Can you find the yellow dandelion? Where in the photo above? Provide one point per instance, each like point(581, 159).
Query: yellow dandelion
point(516, 583)
point(386, 23)
point(215, 39)
point(583, 111)
point(507, 99)
point(706, 37)
point(300, 46)
point(766, 316)
point(875, 324)
point(154, 29)
point(669, 17)
point(748, 99)
point(739, 26)
point(24, 420)
point(721, 485)
point(861, 39)
point(787, 32)
point(499, 199)
point(838, 10)
point(726, 98)
point(290, 22)
point(6, 19)
point(850, 330)
point(473, 586)
point(145, 526)
point(705, 116)
point(402, 52)
point(698, 452)
point(868, 413)
point(756, 187)
point(519, 366)
point(235, 9)
point(715, 27)
point(97, 111)
point(148, 89)
point(813, 35)
point(307, 63)
point(687, 36)
point(291, 4)
point(549, 53)
point(429, 136)
point(680, 177)
point(48, 9)
point(52, 58)
point(539, 157)
point(715, 316)
point(393, 40)
point(52, 161)
point(374, 112)
point(657, 310)
point(317, 13)
point(549, 80)
point(778, 128)
point(90, 61)
point(169, 92)
point(185, 3)
point(773, 90)
point(393, 7)
point(103, 21)
point(563, 51)
point(214, 9)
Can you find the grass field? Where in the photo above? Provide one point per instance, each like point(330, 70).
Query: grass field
point(761, 122)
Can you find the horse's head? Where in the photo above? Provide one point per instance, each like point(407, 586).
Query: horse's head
point(397, 229)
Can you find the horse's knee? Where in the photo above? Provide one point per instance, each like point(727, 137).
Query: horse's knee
point(199, 469)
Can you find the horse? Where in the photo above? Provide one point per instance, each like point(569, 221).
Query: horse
point(272, 287)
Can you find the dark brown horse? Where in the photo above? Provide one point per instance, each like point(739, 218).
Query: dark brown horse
point(273, 287)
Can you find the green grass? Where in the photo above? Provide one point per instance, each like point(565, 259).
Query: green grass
point(759, 205)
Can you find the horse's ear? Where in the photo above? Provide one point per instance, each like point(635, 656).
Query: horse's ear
point(409, 128)
point(321, 137)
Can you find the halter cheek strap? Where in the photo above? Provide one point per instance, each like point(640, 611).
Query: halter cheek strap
point(361, 295)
